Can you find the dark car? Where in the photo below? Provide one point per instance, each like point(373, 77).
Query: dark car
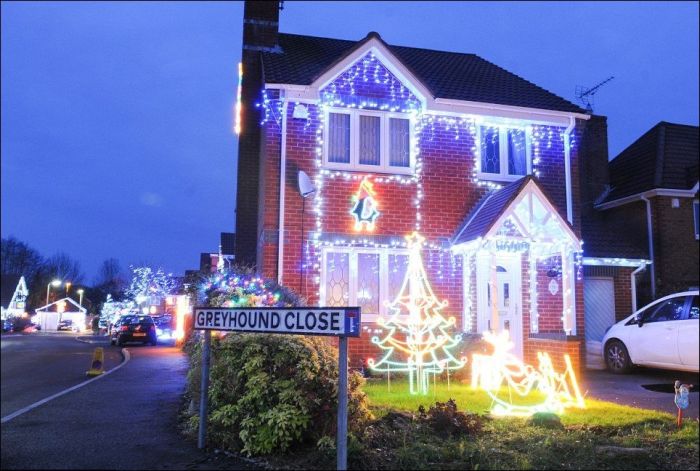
point(134, 328)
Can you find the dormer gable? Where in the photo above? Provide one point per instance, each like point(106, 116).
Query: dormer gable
point(390, 84)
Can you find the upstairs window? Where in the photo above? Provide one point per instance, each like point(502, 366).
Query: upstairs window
point(505, 153)
point(368, 141)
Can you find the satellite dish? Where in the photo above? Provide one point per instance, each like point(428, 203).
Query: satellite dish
point(306, 188)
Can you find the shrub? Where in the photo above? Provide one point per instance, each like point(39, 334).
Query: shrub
point(446, 421)
point(270, 392)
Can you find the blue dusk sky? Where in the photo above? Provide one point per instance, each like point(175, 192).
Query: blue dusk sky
point(117, 116)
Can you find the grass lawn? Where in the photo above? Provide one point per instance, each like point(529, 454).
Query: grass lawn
point(582, 442)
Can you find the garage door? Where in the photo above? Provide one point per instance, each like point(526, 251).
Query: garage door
point(599, 311)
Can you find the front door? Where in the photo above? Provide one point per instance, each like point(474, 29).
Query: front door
point(656, 342)
point(506, 296)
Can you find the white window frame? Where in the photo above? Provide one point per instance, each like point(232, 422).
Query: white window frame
point(353, 253)
point(384, 156)
point(503, 175)
point(696, 222)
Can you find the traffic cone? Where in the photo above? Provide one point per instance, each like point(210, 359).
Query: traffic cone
point(97, 367)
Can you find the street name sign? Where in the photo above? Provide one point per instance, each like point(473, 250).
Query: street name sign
point(335, 321)
point(341, 322)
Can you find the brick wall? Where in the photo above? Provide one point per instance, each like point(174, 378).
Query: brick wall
point(675, 247)
point(449, 194)
point(573, 346)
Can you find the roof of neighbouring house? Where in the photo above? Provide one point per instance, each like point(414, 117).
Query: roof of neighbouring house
point(8, 285)
point(301, 59)
point(485, 213)
point(666, 156)
point(608, 235)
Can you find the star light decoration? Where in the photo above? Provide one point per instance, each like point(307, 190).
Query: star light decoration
point(511, 384)
point(418, 341)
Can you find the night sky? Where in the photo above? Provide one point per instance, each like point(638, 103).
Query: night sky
point(117, 117)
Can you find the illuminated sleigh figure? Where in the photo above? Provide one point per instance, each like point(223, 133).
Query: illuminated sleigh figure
point(509, 381)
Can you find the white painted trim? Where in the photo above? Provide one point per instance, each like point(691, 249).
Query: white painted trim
point(633, 281)
point(388, 60)
point(529, 188)
point(567, 169)
point(283, 176)
point(614, 262)
point(80, 308)
point(649, 194)
point(450, 107)
point(650, 236)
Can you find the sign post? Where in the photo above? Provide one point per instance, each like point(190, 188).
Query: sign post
point(341, 322)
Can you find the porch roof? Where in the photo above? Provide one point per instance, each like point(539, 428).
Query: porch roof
point(535, 217)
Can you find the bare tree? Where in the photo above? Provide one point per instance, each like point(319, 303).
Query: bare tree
point(64, 268)
point(110, 278)
point(17, 258)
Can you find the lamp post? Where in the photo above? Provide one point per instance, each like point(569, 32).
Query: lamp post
point(48, 287)
point(80, 292)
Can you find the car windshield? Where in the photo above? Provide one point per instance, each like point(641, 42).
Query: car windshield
point(138, 320)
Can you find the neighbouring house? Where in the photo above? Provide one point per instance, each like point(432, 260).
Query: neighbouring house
point(357, 143)
point(653, 191)
point(50, 315)
point(210, 262)
point(13, 296)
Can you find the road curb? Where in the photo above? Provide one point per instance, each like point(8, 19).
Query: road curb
point(126, 356)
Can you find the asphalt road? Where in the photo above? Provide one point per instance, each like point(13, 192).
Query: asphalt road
point(35, 366)
point(125, 420)
point(629, 389)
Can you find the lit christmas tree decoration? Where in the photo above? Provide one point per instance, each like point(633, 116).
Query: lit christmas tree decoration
point(365, 206)
point(418, 341)
point(519, 389)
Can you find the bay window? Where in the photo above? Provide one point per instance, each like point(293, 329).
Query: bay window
point(368, 141)
point(364, 277)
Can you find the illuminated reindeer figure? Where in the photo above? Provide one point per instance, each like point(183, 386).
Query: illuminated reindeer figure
point(503, 370)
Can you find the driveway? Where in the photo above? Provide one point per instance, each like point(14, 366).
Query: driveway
point(629, 389)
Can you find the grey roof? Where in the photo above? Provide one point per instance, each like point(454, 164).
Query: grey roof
point(487, 211)
point(8, 285)
point(666, 156)
point(302, 59)
point(606, 234)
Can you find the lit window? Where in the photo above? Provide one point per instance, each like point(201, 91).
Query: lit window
point(505, 153)
point(368, 140)
point(363, 277)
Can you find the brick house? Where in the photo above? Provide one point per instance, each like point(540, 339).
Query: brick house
point(653, 192)
point(482, 163)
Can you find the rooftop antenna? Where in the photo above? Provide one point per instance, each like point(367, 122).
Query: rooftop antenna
point(587, 95)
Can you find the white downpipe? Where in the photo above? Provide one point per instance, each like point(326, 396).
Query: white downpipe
point(633, 280)
point(650, 236)
point(567, 169)
point(283, 175)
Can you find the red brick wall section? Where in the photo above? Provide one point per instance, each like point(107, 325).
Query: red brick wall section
point(556, 349)
point(675, 247)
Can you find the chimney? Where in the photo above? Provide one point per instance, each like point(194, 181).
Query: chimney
point(260, 26)
point(260, 31)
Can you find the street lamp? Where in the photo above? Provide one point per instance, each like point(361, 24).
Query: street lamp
point(80, 292)
point(48, 287)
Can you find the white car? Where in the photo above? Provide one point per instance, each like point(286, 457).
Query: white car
point(663, 334)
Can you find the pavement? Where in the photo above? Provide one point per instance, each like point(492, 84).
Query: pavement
point(125, 420)
point(628, 389)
